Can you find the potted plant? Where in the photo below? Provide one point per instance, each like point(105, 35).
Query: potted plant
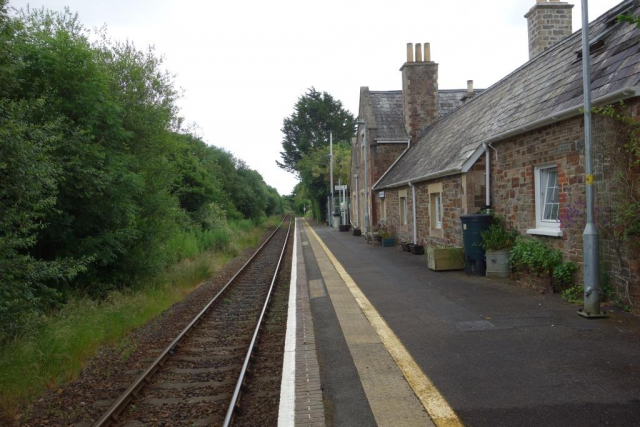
point(357, 232)
point(406, 246)
point(344, 227)
point(497, 241)
point(387, 235)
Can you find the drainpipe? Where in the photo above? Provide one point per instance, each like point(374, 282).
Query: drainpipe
point(487, 174)
point(357, 202)
point(415, 216)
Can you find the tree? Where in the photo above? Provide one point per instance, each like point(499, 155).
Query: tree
point(306, 144)
point(98, 184)
point(315, 115)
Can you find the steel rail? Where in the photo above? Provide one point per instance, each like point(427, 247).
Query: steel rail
point(111, 415)
point(236, 393)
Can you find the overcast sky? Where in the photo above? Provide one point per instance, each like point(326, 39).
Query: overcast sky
point(243, 64)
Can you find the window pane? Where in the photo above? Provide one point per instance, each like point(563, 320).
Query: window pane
point(551, 205)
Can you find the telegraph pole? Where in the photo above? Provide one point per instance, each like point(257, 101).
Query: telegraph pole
point(331, 178)
point(590, 243)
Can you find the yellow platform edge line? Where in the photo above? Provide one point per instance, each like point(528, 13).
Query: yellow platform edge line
point(441, 413)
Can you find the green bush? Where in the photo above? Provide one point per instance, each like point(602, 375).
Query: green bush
point(534, 257)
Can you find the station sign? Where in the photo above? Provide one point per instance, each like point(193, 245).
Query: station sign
point(340, 187)
point(381, 194)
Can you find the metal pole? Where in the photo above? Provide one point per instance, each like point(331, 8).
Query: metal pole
point(590, 235)
point(331, 177)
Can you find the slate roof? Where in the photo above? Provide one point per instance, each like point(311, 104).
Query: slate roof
point(450, 100)
point(387, 110)
point(546, 85)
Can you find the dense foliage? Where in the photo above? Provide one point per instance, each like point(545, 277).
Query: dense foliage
point(99, 186)
point(536, 258)
point(306, 145)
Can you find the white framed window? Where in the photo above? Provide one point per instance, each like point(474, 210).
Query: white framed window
point(383, 209)
point(547, 202)
point(438, 208)
point(436, 212)
point(403, 211)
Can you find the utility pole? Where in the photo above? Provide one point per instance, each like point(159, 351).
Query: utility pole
point(590, 243)
point(331, 178)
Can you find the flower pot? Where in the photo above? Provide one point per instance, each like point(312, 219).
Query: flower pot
point(377, 238)
point(440, 259)
point(388, 242)
point(346, 227)
point(406, 246)
point(498, 263)
point(357, 232)
point(417, 249)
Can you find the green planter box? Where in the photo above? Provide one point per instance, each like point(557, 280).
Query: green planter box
point(442, 259)
point(388, 242)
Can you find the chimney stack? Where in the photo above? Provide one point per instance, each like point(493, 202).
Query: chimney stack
point(549, 22)
point(469, 87)
point(419, 90)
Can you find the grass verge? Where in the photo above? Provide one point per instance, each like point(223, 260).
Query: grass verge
point(59, 348)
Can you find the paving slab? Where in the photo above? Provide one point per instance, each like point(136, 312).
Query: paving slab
point(344, 399)
point(500, 354)
point(390, 397)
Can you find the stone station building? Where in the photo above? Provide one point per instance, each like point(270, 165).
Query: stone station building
point(516, 147)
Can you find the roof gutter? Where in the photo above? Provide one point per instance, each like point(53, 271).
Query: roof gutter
point(392, 141)
point(619, 95)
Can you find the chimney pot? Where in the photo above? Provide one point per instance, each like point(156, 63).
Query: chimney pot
point(469, 87)
point(427, 52)
point(418, 52)
point(409, 52)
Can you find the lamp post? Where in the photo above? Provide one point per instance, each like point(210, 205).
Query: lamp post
point(590, 247)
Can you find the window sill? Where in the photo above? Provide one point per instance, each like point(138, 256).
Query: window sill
point(545, 232)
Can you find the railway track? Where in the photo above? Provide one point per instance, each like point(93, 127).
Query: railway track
point(198, 379)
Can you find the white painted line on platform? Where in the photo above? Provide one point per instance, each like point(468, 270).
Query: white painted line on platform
point(433, 401)
point(286, 412)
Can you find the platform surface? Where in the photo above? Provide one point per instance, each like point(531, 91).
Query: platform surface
point(499, 354)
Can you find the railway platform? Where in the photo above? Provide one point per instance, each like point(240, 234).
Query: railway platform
point(382, 340)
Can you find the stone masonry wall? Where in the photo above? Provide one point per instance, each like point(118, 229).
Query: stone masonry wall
point(383, 156)
point(513, 194)
point(453, 201)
